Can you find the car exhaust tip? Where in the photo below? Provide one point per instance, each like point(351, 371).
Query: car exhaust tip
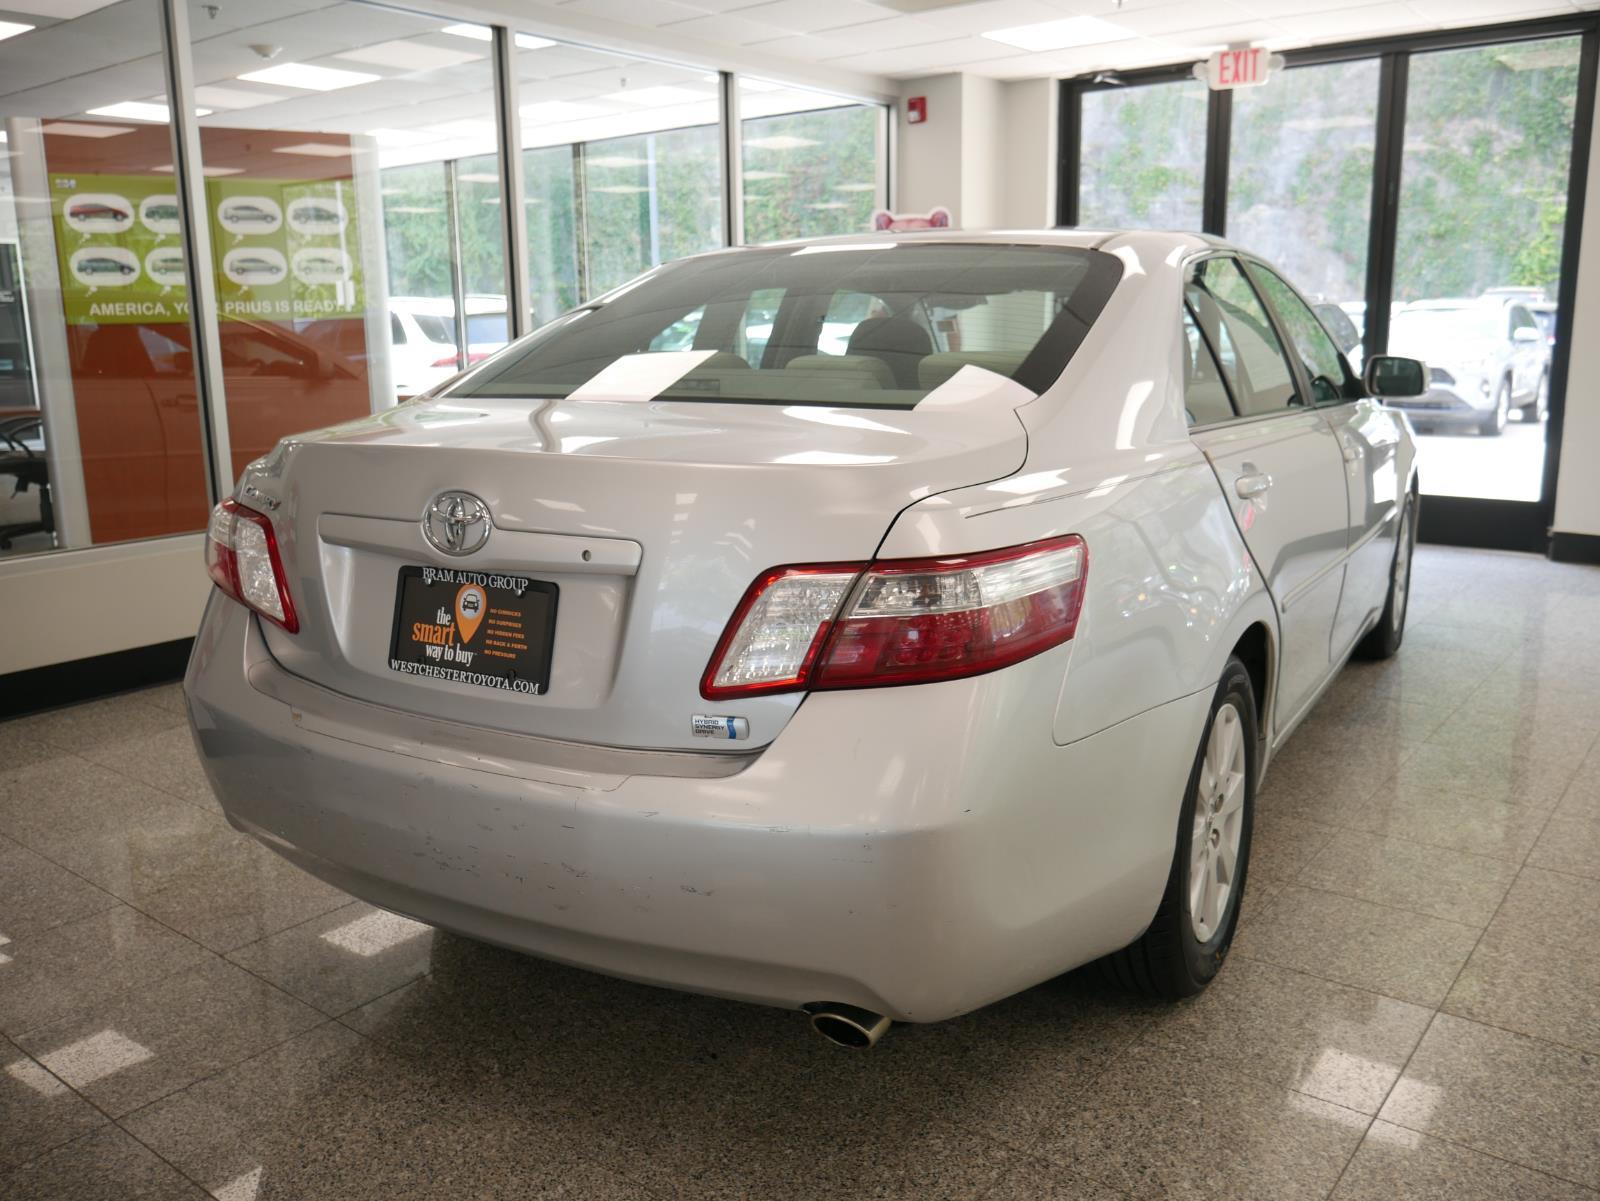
point(849, 1026)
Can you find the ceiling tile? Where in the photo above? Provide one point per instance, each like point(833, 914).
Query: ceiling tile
point(809, 16)
point(734, 28)
point(807, 48)
point(896, 33)
point(655, 12)
point(992, 14)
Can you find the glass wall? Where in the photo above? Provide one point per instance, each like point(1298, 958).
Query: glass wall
point(1143, 151)
point(1300, 184)
point(813, 163)
point(1483, 202)
point(100, 424)
point(353, 196)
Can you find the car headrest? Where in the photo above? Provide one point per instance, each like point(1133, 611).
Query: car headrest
point(898, 341)
point(937, 368)
point(860, 371)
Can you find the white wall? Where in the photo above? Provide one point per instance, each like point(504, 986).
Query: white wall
point(1578, 486)
point(68, 605)
point(986, 151)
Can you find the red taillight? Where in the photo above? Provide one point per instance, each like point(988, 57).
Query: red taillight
point(242, 558)
point(447, 361)
point(906, 621)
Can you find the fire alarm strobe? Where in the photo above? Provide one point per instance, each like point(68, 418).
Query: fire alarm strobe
point(916, 110)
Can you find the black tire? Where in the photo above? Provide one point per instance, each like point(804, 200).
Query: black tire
point(1494, 423)
point(1170, 960)
point(1383, 640)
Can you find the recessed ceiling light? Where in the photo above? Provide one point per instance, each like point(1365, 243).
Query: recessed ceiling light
point(781, 141)
point(855, 187)
point(766, 175)
point(10, 29)
point(409, 56)
point(526, 41)
point(166, 169)
point(1059, 35)
point(658, 96)
point(140, 110)
point(478, 177)
point(478, 33)
point(613, 160)
point(308, 77)
point(315, 149)
point(411, 208)
point(829, 204)
point(83, 129)
point(618, 189)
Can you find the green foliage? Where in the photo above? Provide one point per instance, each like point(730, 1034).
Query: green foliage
point(810, 174)
point(1143, 156)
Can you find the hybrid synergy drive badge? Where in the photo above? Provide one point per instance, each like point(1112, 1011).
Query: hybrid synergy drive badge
point(711, 725)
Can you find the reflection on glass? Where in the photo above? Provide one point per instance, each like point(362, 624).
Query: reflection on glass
point(100, 436)
point(354, 202)
point(1478, 258)
point(1143, 156)
point(620, 164)
point(1300, 185)
point(812, 162)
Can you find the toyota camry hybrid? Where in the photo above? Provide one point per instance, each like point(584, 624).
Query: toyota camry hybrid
point(878, 684)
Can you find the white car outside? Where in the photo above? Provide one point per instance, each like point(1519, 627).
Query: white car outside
point(880, 684)
point(1486, 358)
point(422, 338)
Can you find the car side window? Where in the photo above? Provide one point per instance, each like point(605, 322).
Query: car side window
point(1237, 326)
point(1205, 395)
point(397, 332)
point(1521, 319)
point(1311, 340)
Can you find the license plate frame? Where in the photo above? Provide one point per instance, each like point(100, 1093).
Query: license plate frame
point(503, 639)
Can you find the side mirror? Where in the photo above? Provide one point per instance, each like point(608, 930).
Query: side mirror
point(1392, 375)
point(1527, 334)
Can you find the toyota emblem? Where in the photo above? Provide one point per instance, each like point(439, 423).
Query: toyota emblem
point(456, 523)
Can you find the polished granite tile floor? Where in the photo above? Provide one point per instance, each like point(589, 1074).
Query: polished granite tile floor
point(1412, 1009)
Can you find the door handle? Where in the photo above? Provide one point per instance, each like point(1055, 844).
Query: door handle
point(1252, 484)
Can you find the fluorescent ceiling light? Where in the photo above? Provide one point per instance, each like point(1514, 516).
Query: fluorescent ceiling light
point(621, 189)
point(410, 208)
point(829, 204)
point(658, 96)
point(478, 177)
point(526, 41)
point(3, 138)
point(166, 168)
point(766, 175)
point(410, 56)
point(618, 160)
point(401, 137)
point(554, 112)
point(316, 149)
point(10, 29)
point(140, 110)
point(1060, 35)
point(478, 33)
point(852, 187)
point(309, 78)
point(781, 141)
point(82, 129)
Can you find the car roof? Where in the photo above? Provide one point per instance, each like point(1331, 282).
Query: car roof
point(1157, 241)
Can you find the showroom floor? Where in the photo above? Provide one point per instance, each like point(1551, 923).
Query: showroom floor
point(1412, 1009)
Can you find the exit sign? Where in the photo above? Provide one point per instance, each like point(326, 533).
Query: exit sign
point(1247, 67)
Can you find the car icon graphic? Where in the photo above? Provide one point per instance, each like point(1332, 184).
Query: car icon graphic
point(104, 265)
point(316, 214)
point(254, 265)
point(98, 212)
point(322, 263)
point(167, 265)
point(161, 212)
point(241, 213)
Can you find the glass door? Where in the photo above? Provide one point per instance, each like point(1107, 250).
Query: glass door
point(1477, 268)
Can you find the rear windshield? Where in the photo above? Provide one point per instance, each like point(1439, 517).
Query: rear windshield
point(879, 324)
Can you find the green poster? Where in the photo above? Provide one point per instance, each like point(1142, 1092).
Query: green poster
point(121, 259)
point(284, 250)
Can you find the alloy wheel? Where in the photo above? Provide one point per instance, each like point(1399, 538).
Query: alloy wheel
point(1218, 823)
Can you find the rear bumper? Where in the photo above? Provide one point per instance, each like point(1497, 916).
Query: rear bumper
point(919, 851)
